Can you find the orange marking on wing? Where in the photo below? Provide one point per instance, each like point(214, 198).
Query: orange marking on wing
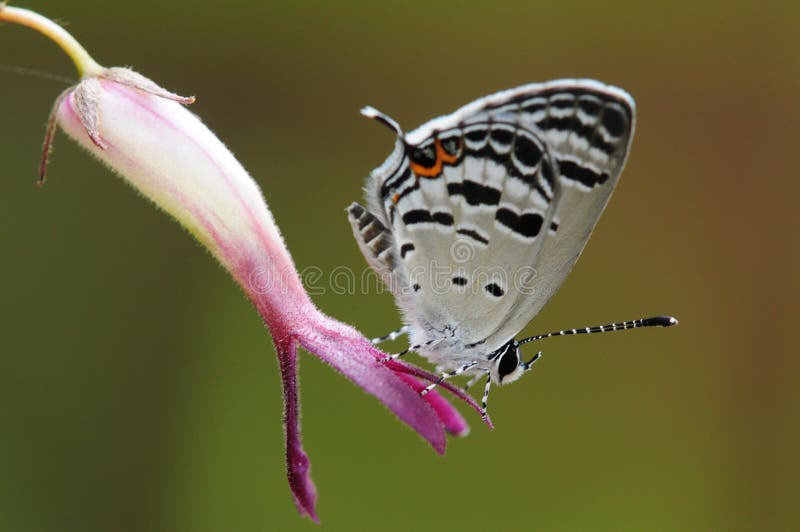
point(424, 171)
point(434, 171)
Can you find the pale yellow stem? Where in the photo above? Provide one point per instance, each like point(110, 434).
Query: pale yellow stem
point(87, 67)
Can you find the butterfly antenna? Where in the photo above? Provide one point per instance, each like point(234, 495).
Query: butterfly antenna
point(386, 120)
point(658, 321)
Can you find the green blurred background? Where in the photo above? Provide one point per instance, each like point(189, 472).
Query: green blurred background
point(139, 390)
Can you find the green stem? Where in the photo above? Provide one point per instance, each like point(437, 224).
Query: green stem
point(87, 67)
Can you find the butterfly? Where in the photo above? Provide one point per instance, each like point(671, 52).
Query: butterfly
point(477, 217)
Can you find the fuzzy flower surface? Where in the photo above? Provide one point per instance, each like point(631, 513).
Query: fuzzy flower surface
point(146, 135)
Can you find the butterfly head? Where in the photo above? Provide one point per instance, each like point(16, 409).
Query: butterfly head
point(507, 363)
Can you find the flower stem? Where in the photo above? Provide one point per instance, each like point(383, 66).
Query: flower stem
point(87, 67)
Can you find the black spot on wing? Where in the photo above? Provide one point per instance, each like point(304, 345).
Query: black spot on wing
point(583, 175)
point(443, 218)
point(424, 155)
point(476, 135)
point(502, 136)
point(473, 235)
point(589, 105)
point(406, 249)
point(418, 216)
point(494, 289)
point(474, 193)
point(526, 151)
point(615, 121)
point(459, 281)
point(526, 224)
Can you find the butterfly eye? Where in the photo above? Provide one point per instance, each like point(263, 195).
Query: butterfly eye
point(508, 363)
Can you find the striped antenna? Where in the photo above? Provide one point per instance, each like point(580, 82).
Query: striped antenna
point(658, 321)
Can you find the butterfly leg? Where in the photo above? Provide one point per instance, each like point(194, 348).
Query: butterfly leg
point(401, 353)
point(446, 375)
point(527, 366)
point(472, 381)
point(394, 335)
point(485, 398)
point(406, 351)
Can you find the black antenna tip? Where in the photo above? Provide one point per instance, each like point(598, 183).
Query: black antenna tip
point(660, 321)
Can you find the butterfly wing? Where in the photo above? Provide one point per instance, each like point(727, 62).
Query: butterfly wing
point(489, 207)
point(588, 128)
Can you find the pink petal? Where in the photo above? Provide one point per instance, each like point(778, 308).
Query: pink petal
point(297, 463)
point(450, 417)
point(410, 369)
point(354, 356)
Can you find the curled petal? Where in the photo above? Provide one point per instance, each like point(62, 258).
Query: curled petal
point(87, 105)
point(130, 78)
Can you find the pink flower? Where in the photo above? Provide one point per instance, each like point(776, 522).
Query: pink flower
point(146, 135)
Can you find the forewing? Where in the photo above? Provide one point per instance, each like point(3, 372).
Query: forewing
point(588, 129)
